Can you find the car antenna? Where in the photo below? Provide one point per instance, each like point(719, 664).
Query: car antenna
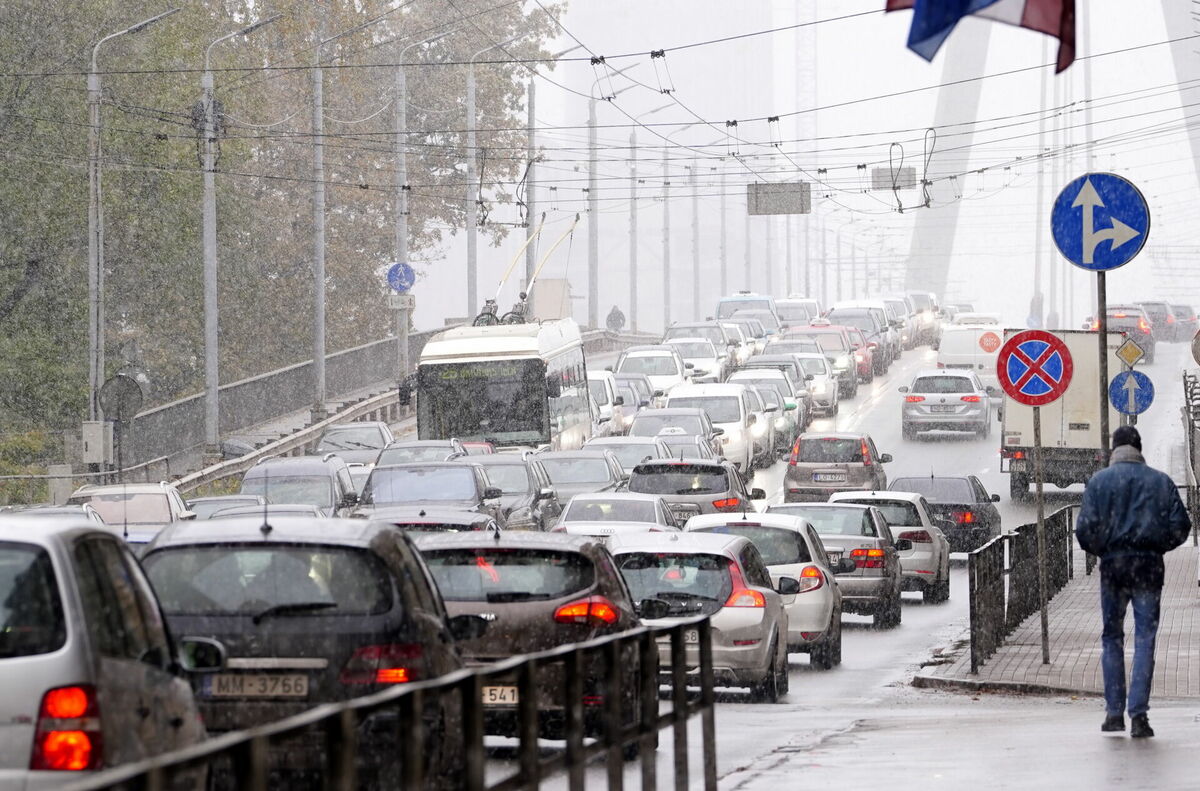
point(266, 526)
point(124, 507)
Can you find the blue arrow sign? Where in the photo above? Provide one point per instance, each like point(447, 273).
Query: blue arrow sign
point(401, 277)
point(1131, 392)
point(1100, 221)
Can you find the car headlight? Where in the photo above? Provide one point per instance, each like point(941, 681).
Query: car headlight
point(842, 362)
point(780, 423)
point(758, 429)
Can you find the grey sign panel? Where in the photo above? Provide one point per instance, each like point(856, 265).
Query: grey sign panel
point(779, 198)
point(897, 178)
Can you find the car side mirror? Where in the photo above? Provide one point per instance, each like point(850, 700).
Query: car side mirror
point(771, 408)
point(659, 393)
point(884, 458)
point(802, 393)
point(186, 515)
point(619, 401)
point(643, 404)
point(492, 493)
point(809, 377)
point(903, 389)
point(990, 390)
point(716, 432)
point(995, 498)
point(466, 627)
point(652, 609)
point(758, 494)
point(201, 654)
point(608, 368)
point(846, 565)
point(603, 419)
point(349, 499)
point(788, 586)
point(903, 544)
point(545, 493)
point(689, 366)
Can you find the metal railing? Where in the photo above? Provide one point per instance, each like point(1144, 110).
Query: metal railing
point(1003, 580)
point(244, 754)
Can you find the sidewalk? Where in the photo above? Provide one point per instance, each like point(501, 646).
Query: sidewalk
point(1075, 643)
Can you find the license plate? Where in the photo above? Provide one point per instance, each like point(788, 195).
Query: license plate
point(834, 557)
point(691, 635)
point(829, 477)
point(1017, 465)
point(500, 696)
point(942, 408)
point(228, 685)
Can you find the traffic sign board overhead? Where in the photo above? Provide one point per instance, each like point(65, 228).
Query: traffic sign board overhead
point(1100, 221)
point(1131, 392)
point(1034, 367)
point(401, 277)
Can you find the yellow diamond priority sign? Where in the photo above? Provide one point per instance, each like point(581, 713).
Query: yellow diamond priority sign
point(1130, 352)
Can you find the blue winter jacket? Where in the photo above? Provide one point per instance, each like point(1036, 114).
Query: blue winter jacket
point(1131, 509)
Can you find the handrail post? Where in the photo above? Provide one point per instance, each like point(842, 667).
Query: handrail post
point(573, 681)
point(708, 703)
point(472, 712)
point(613, 719)
point(527, 725)
point(679, 706)
point(648, 695)
point(412, 738)
point(341, 751)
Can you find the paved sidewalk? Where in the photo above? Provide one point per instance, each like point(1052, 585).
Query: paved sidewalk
point(1075, 642)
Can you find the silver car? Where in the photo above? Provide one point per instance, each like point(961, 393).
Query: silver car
point(725, 578)
point(947, 400)
point(89, 675)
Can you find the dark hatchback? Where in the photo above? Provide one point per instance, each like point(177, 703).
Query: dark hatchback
point(528, 500)
point(575, 472)
point(441, 485)
point(312, 611)
point(961, 501)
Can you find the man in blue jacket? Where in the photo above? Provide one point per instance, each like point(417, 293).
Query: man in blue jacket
point(1131, 516)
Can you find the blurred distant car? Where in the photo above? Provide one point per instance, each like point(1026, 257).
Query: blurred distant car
point(630, 450)
point(691, 420)
point(268, 512)
point(417, 450)
point(826, 462)
point(642, 387)
point(695, 486)
point(945, 399)
point(864, 354)
point(618, 507)
point(963, 502)
point(1186, 323)
point(447, 484)
point(603, 388)
point(1131, 320)
point(683, 445)
point(989, 319)
point(661, 364)
point(137, 510)
point(323, 481)
point(49, 510)
point(1162, 320)
point(709, 364)
point(478, 448)
point(745, 345)
point(204, 507)
point(528, 499)
point(358, 474)
point(359, 441)
point(575, 472)
point(821, 381)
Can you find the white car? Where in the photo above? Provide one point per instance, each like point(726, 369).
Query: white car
point(926, 567)
point(603, 387)
point(763, 431)
point(708, 364)
point(745, 345)
point(791, 548)
point(823, 384)
point(729, 409)
point(662, 365)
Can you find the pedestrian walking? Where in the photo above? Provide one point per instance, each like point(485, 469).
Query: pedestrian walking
point(615, 320)
point(1131, 516)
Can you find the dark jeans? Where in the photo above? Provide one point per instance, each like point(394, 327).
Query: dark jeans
point(1124, 580)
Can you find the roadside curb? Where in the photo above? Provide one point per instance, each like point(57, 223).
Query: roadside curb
point(924, 681)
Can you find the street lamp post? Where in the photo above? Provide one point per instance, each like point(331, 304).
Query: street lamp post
point(212, 427)
point(96, 219)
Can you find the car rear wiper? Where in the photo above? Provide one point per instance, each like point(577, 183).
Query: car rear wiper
point(683, 595)
point(510, 596)
point(293, 608)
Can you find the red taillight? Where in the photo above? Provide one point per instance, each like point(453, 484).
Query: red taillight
point(68, 731)
point(741, 595)
point(868, 558)
point(866, 454)
point(593, 611)
point(1170, 319)
point(811, 579)
point(914, 399)
point(971, 399)
point(795, 453)
point(1095, 324)
point(1005, 453)
point(727, 504)
point(1143, 326)
point(941, 365)
point(383, 664)
point(1118, 316)
point(917, 536)
point(963, 517)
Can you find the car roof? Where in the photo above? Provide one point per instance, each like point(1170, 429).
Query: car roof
point(420, 443)
point(681, 543)
point(757, 373)
point(249, 529)
point(272, 509)
point(682, 462)
point(406, 513)
point(226, 497)
point(833, 435)
point(573, 454)
point(355, 424)
point(117, 488)
point(47, 531)
point(672, 411)
point(493, 460)
point(717, 389)
point(908, 497)
point(314, 463)
point(678, 341)
point(750, 519)
point(622, 440)
point(657, 348)
point(453, 464)
point(528, 539)
point(961, 373)
point(608, 496)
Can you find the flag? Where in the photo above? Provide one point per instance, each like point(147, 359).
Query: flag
point(934, 19)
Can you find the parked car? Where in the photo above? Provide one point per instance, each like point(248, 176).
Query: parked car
point(323, 481)
point(961, 501)
point(823, 463)
point(412, 451)
point(313, 611)
point(528, 500)
point(137, 510)
point(90, 676)
point(575, 472)
point(729, 410)
point(725, 578)
point(945, 399)
point(859, 533)
point(629, 450)
point(692, 420)
point(926, 567)
point(791, 548)
point(695, 486)
point(205, 507)
point(356, 442)
point(446, 484)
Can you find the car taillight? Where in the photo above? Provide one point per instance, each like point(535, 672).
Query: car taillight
point(741, 595)
point(914, 399)
point(868, 558)
point(941, 365)
point(1005, 453)
point(795, 453)
point(858, 358)
point(395, 663)
point(1095, 324)
point(917, 536)
point(971, 399)
point(811, 579)
point(866, 454)
point(1143, 326)
point(1170, 319)
point(963, 517)
point(592, 611)
point(727, 504)
point(68, 731)
point(1118, 316)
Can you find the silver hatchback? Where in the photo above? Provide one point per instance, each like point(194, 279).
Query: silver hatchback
point(947, 400)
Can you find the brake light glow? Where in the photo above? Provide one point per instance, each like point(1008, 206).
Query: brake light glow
point(941, 365)
point(1095, 324)
point(971, 399)
point(1119, 316)
point(727, 504)
point(811, 579)
point(914, 399)
point(866, 454)
point(68, 735)
point(917, 536)
point(868, 558)
point(1170, 319)
point(383, 664)
point(741, 596)
point(592, 611)
point(963, 517)
point(795, 453)
point(1143, 326)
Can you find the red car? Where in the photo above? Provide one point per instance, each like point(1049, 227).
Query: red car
point(864, 354)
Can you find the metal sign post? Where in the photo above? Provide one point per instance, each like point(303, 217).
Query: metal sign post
point(401, 278)
point(1034, 368)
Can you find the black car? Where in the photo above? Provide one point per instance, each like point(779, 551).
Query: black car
point(962, 502)
point(575, 472)
point(1162, 320)
point(447, 484)
point(527, 497)
point(323, 481)
point(312, 611)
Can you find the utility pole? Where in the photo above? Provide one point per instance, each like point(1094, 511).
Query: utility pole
point(699, 312)
point(824, 267)
point(530, 197)
point(746, 281)
point(767, 262)
point(724, 242)
point(633, 232)
point(318, 211)
point(472, 197)
point(593, 237)
point(787, 277)
point(666, 240)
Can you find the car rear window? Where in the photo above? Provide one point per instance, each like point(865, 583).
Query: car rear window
point(503, 574)
point(830, 341)
point(509, 478)
point(920, 301)
point(650, 365)
point(410, 455)
point(832, 450)
point(577, 470)
point(946, 490)
point(809, 345)
point(942, 384)
point(599, 392)
point(693, 584)
point(687, 350)
point(650, 425)
point(720, 409)
point(792, 312)
point(134, 508)
point(350, 438)
point(814, 366)
point(402, 484)
point(831, 521)
point(250, 579)
point(678, 479)
point(283, 488)
point(895, 512)
point(31, 616)
point(610, 511)
point(777, 545)
point(630, 454)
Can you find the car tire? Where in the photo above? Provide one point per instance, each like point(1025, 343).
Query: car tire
point(937, 592)
point(828, 653)
point(767, 690)
point(908, 432)
point(633, 750)
point(889, 613)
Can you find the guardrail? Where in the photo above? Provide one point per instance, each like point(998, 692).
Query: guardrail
point(244, 754)
point(1002, 596)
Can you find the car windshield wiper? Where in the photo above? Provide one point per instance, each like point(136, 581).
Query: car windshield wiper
point(694, 491)
point(293, 608)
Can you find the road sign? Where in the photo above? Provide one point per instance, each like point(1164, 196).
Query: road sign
point(1196, 348)
point(1097, 208)
point(989, 342)
point(1034, 367)
point(1129, 352)
point(401, 277)
point(1131, 392)
point(402, 301)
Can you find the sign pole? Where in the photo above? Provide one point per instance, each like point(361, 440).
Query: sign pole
point(1041, 532)
point(1102, 318)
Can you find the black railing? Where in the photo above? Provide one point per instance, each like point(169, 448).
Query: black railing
point(998, 606)
point(629, 718)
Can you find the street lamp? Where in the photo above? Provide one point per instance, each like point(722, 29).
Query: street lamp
point(212, 425)
point(96, 219)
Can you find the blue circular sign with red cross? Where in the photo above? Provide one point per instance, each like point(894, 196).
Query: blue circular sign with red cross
point(1034, 367)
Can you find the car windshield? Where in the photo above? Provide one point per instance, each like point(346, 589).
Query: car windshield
point(250, 579)
point(679, 479)
point(895, 512)
point(133, 508)
point(306, 489)
point(686, 445)
point(31, 614)
point(650, 424)
point(592, 510)
point(691, 583)
point(792, 313)
point(509, 478)
point(720, 409)
point(814, 365)
point(832, 521)
point(649, 364)
point(413, 453)
point(944, 490)
point(765, 317)
point(856, 318)
point(942, 384)
point(832, 450)
point(627, 392)
point(577, 470)
point(792, 345)
point(503, 574)
point(351, 438)
point(695, 350)
point(405, 484)
point(629, 453)
point(830, 341)
point(599, 392)
point(777, 545)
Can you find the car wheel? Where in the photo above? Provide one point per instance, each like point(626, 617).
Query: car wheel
point(888, 615)
point(908, 432)
point(828, 653)
point(939, 591)
point(767, 690)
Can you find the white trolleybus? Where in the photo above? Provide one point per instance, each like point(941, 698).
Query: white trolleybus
point(522, 385)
